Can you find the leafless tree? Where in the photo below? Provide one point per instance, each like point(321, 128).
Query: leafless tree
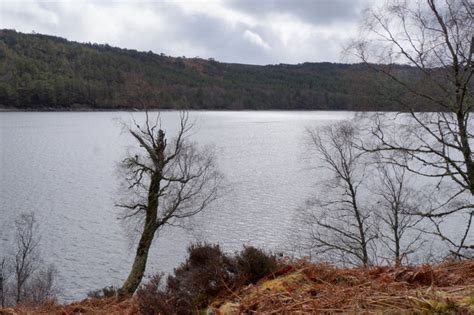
point(169, 181)
point(366, 211)
point(26, 259)
point(396, 205)
point(4, 275)
point(341, 224)
point(436, 39)
point(23, 277)
point(451, 225)
point(42, 286)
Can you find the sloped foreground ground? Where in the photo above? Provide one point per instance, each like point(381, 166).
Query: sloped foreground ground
point(309, 288)
point(305, 288)
point(87, 306)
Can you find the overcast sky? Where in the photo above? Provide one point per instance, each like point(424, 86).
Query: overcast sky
point(242, 31)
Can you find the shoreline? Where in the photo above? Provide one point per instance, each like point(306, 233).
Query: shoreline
point(92, 110)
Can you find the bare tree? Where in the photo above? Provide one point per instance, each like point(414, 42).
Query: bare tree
point(4, 275)
point(169, 181)
point(23, 278)
point(436, 39)
point(396, 205)
point(366, 210)
point(26, 259)
point(341, 222)
point(42, 286)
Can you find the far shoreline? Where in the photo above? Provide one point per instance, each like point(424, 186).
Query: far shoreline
point(79, 110)
point(92, 110)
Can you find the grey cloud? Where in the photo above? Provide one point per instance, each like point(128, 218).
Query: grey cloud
point(316, 12)
point(222, 41)
point(209, 37)
point(169, 28)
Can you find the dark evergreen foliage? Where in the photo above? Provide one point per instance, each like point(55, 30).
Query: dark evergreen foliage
point(44, 72)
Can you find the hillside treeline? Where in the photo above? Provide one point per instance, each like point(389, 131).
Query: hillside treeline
point(45, 72)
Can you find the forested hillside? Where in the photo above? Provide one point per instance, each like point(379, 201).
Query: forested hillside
point(45, 72)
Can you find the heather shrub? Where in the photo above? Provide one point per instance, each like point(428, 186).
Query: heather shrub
point(253, 264)
point(206, 274)
point(153, 300)
point(105, 292)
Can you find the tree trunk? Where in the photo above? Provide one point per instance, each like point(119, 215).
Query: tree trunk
point(138, 269)
point(2, 296)
point(360, 225)
point(466, 151)
point(18, 292)
point(151, 225)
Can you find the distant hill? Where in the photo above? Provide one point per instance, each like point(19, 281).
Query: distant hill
point(45, 72)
